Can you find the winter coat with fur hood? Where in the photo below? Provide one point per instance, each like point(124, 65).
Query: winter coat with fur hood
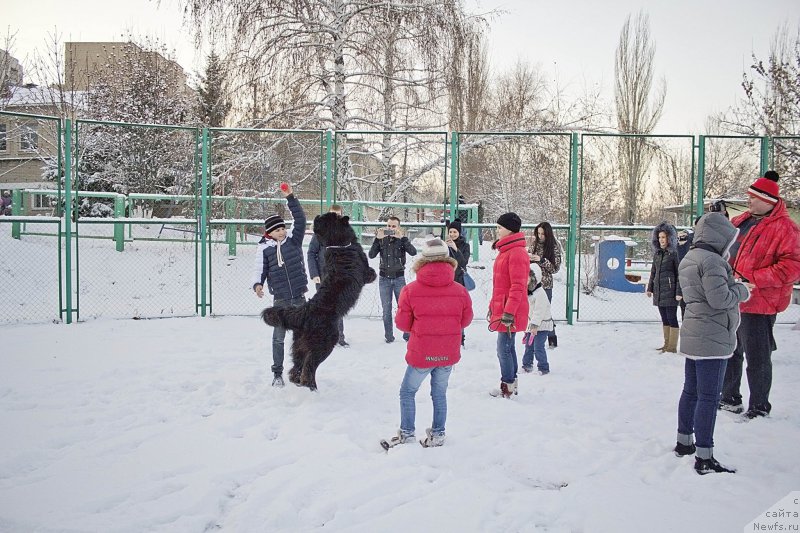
point(510, 283)
point(664, 272)
point(769, 256)
point(711, 294)
point(434, 309)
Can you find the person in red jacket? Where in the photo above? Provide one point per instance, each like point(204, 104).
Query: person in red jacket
point(435, 310)
point(508, 308)
point(766, 256)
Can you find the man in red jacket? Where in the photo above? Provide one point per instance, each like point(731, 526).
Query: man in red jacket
point(766, 256)
point(435, 310)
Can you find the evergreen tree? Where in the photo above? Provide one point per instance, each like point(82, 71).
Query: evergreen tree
point(213, 105)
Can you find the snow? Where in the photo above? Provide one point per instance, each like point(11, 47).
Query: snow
point(171, 425)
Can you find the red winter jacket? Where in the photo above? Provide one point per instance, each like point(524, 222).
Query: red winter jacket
point(769, 257)
point(510, 283)
point(434, 308)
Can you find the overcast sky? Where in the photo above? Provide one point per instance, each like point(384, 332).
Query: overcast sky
point(702, 46)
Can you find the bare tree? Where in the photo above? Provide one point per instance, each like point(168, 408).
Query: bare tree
point(771, 105)
point(638, 110)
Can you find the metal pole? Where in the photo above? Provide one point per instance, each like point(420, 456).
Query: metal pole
point(573, 225)
point(765, 146)
point(203, 220)
point(701, 176)
point(68, 217)
point(453, 175)
point(329, 192)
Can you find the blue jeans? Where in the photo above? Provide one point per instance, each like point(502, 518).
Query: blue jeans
point(507, 354)
point(408, 389)
point(388, 287)
point(279, 333)
point(697, 408)
point(539, 350)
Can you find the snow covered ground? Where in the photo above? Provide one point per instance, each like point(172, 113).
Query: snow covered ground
point(171, 425)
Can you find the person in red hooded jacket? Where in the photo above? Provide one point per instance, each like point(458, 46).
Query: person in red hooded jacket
point(508, 308)
point(434, 309)
point(766, 256)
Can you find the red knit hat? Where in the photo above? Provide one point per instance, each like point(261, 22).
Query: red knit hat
point(766, 188)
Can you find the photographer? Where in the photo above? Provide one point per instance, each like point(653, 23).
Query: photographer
point(392, 245)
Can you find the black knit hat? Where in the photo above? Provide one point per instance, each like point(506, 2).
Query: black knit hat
point(456, 225)
point(510, 221)
point(272, 223)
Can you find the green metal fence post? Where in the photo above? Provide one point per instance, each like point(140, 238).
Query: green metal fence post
point(453, 175)
point(68, 217)
point(119, 227)
point(329, 192)
point(16, 210)
point(701, 176)
point(765, 148)
point(230, 229)
point(573, 225)
point(203, 221)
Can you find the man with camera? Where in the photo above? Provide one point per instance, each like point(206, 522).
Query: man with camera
point(766, 257)
point(392, 245)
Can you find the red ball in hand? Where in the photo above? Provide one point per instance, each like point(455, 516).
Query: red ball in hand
point(284, 186)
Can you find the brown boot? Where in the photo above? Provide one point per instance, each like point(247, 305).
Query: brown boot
point(665, 330)
point(672, 345)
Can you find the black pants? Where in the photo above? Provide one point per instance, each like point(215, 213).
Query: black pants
point(669, 315)
point(754, 339)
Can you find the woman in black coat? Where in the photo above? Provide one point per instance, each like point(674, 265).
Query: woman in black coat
point(663, 286)
point(459, 250)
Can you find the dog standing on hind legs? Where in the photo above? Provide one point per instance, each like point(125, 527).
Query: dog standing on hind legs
point(314, 324)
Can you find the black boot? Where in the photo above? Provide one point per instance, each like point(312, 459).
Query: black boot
point(684, 449)
point(552, 342)
point(709, 466)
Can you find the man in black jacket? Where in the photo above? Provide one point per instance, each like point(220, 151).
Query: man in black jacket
point(392, 245)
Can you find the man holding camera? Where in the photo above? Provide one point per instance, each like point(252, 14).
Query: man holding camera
point(392, 245)
point(766, 257)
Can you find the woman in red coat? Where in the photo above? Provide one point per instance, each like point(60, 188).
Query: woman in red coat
point(508, 308)
point(435, 310)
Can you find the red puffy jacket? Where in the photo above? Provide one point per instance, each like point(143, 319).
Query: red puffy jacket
point(510, 283)
point(435, 309)
point(769, 257)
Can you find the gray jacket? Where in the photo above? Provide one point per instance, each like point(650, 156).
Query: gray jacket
point(712, 296)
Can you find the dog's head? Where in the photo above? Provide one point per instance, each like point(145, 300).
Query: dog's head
point(333, 230)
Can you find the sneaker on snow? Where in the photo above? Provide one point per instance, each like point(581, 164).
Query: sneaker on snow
point(755, 412)
point(543, 372)
point(684, 449)
point(277, 381)
point(732, 406)
point(400, 438)
point(527, 369)
point(431, 440)
point(710, 466)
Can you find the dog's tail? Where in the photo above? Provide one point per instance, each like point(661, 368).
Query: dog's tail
point(286, 317)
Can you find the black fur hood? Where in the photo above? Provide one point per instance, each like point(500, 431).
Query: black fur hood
point(672, 237)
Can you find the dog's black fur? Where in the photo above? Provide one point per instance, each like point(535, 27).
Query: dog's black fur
point(314, 324)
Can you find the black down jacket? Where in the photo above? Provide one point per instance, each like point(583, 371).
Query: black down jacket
point(664, 273)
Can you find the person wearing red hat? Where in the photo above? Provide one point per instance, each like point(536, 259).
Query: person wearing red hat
point(766, 256)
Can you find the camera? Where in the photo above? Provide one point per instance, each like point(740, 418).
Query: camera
point(388, 232)
point(719, 207)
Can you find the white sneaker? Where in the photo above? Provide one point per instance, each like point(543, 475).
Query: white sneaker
point(397, 439)
point(431, 440)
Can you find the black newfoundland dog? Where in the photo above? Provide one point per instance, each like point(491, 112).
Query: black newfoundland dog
point(313, 324)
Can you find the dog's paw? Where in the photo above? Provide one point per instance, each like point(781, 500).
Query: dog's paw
point(370, 276)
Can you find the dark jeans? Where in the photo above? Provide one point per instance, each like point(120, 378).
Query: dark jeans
point(697, 408)
point(551, 333)
point(507, 355)
point(754, 340)
point(340, 324)
point(279, 333)
point(669, 315)
point(388, 287)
